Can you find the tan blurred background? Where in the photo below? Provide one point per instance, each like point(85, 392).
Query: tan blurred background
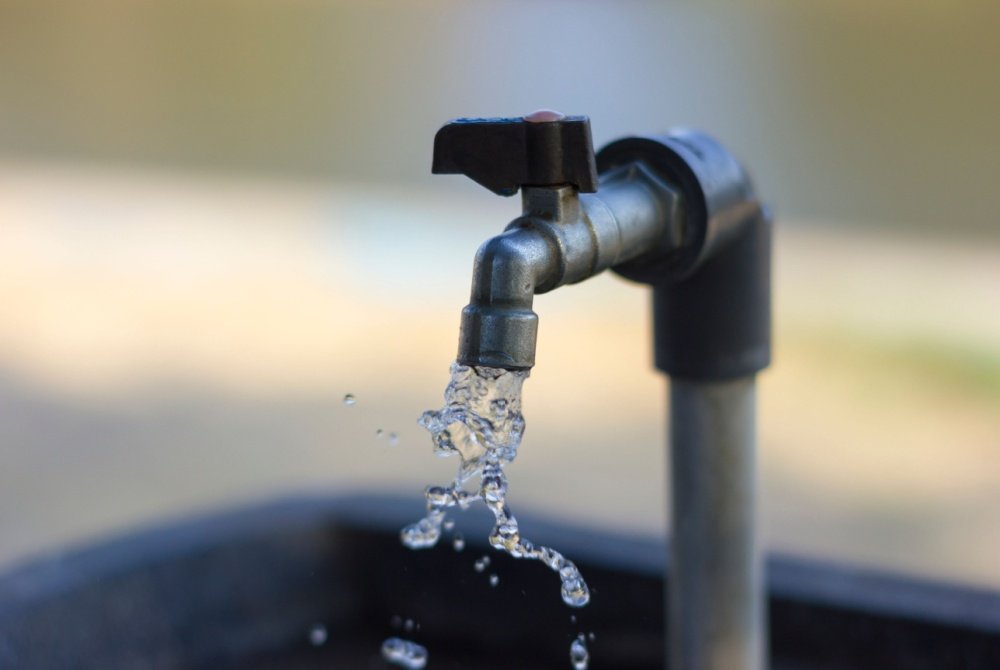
point(217, 218)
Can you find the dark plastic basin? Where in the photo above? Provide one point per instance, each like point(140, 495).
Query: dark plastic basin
point(243, 589)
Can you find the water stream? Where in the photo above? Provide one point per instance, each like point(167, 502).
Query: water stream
point(404, 653)
point(481, 422)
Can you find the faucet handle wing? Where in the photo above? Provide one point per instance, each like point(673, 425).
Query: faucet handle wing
point(542, 149)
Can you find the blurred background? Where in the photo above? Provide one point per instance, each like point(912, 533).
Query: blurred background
point(217, 219)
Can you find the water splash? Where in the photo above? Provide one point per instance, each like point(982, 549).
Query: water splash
point(579, 657)
point(318, 635)
point(404, 653)
point(481, 422)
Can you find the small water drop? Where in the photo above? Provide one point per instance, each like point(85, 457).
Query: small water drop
point(572, 618)
point(448, 525)
point(481, 564)
point(579, 657)
point(379, 432)
point(574, 593)
point(458, 542)
point(404, 653)
point(421, 535)
point(317, 635)
point(409, 625)
point(494, 579)
point(437, 496)
point(574, 590)
point(396, 621)
point(350, 399)
point(591, 636)
point(393, 439)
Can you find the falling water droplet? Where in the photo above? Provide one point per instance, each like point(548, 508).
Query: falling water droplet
point(494, 579)
point(574, 590)
point(481, 564)
point(448, 525)
point(379, 432)
point(458, 542)
point(404, 653)
point(317, 635)
point(578, 654)
point(421, 535)
point(396, 621)
point(393, 439)
point(349, 399)
point(437, 496)
point(409, 625)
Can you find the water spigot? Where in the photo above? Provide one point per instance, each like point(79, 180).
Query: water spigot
point(565, 233)
point(678, 212)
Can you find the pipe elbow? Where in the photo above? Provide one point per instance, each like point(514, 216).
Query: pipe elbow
point(712, 294)
point(717, 199)
point(499, 328)
point(510, 268)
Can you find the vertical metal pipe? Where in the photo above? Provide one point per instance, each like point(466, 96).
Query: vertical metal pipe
point(715, 591)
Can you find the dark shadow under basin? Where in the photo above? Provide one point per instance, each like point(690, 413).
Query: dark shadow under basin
point(243, 589)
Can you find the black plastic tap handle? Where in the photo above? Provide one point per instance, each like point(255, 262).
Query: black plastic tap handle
point(505, 154)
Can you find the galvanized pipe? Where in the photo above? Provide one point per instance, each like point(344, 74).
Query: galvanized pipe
point(715, 591)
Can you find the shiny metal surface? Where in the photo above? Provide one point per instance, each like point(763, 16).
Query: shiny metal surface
point(716, 594)
point(561, 238)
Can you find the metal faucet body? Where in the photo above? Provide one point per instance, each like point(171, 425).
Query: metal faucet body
point(562, 237)
point(677, 212)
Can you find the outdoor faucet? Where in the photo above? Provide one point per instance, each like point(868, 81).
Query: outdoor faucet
point(678, 212)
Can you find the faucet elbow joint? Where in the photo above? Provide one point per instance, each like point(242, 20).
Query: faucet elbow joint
point(499, 328)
